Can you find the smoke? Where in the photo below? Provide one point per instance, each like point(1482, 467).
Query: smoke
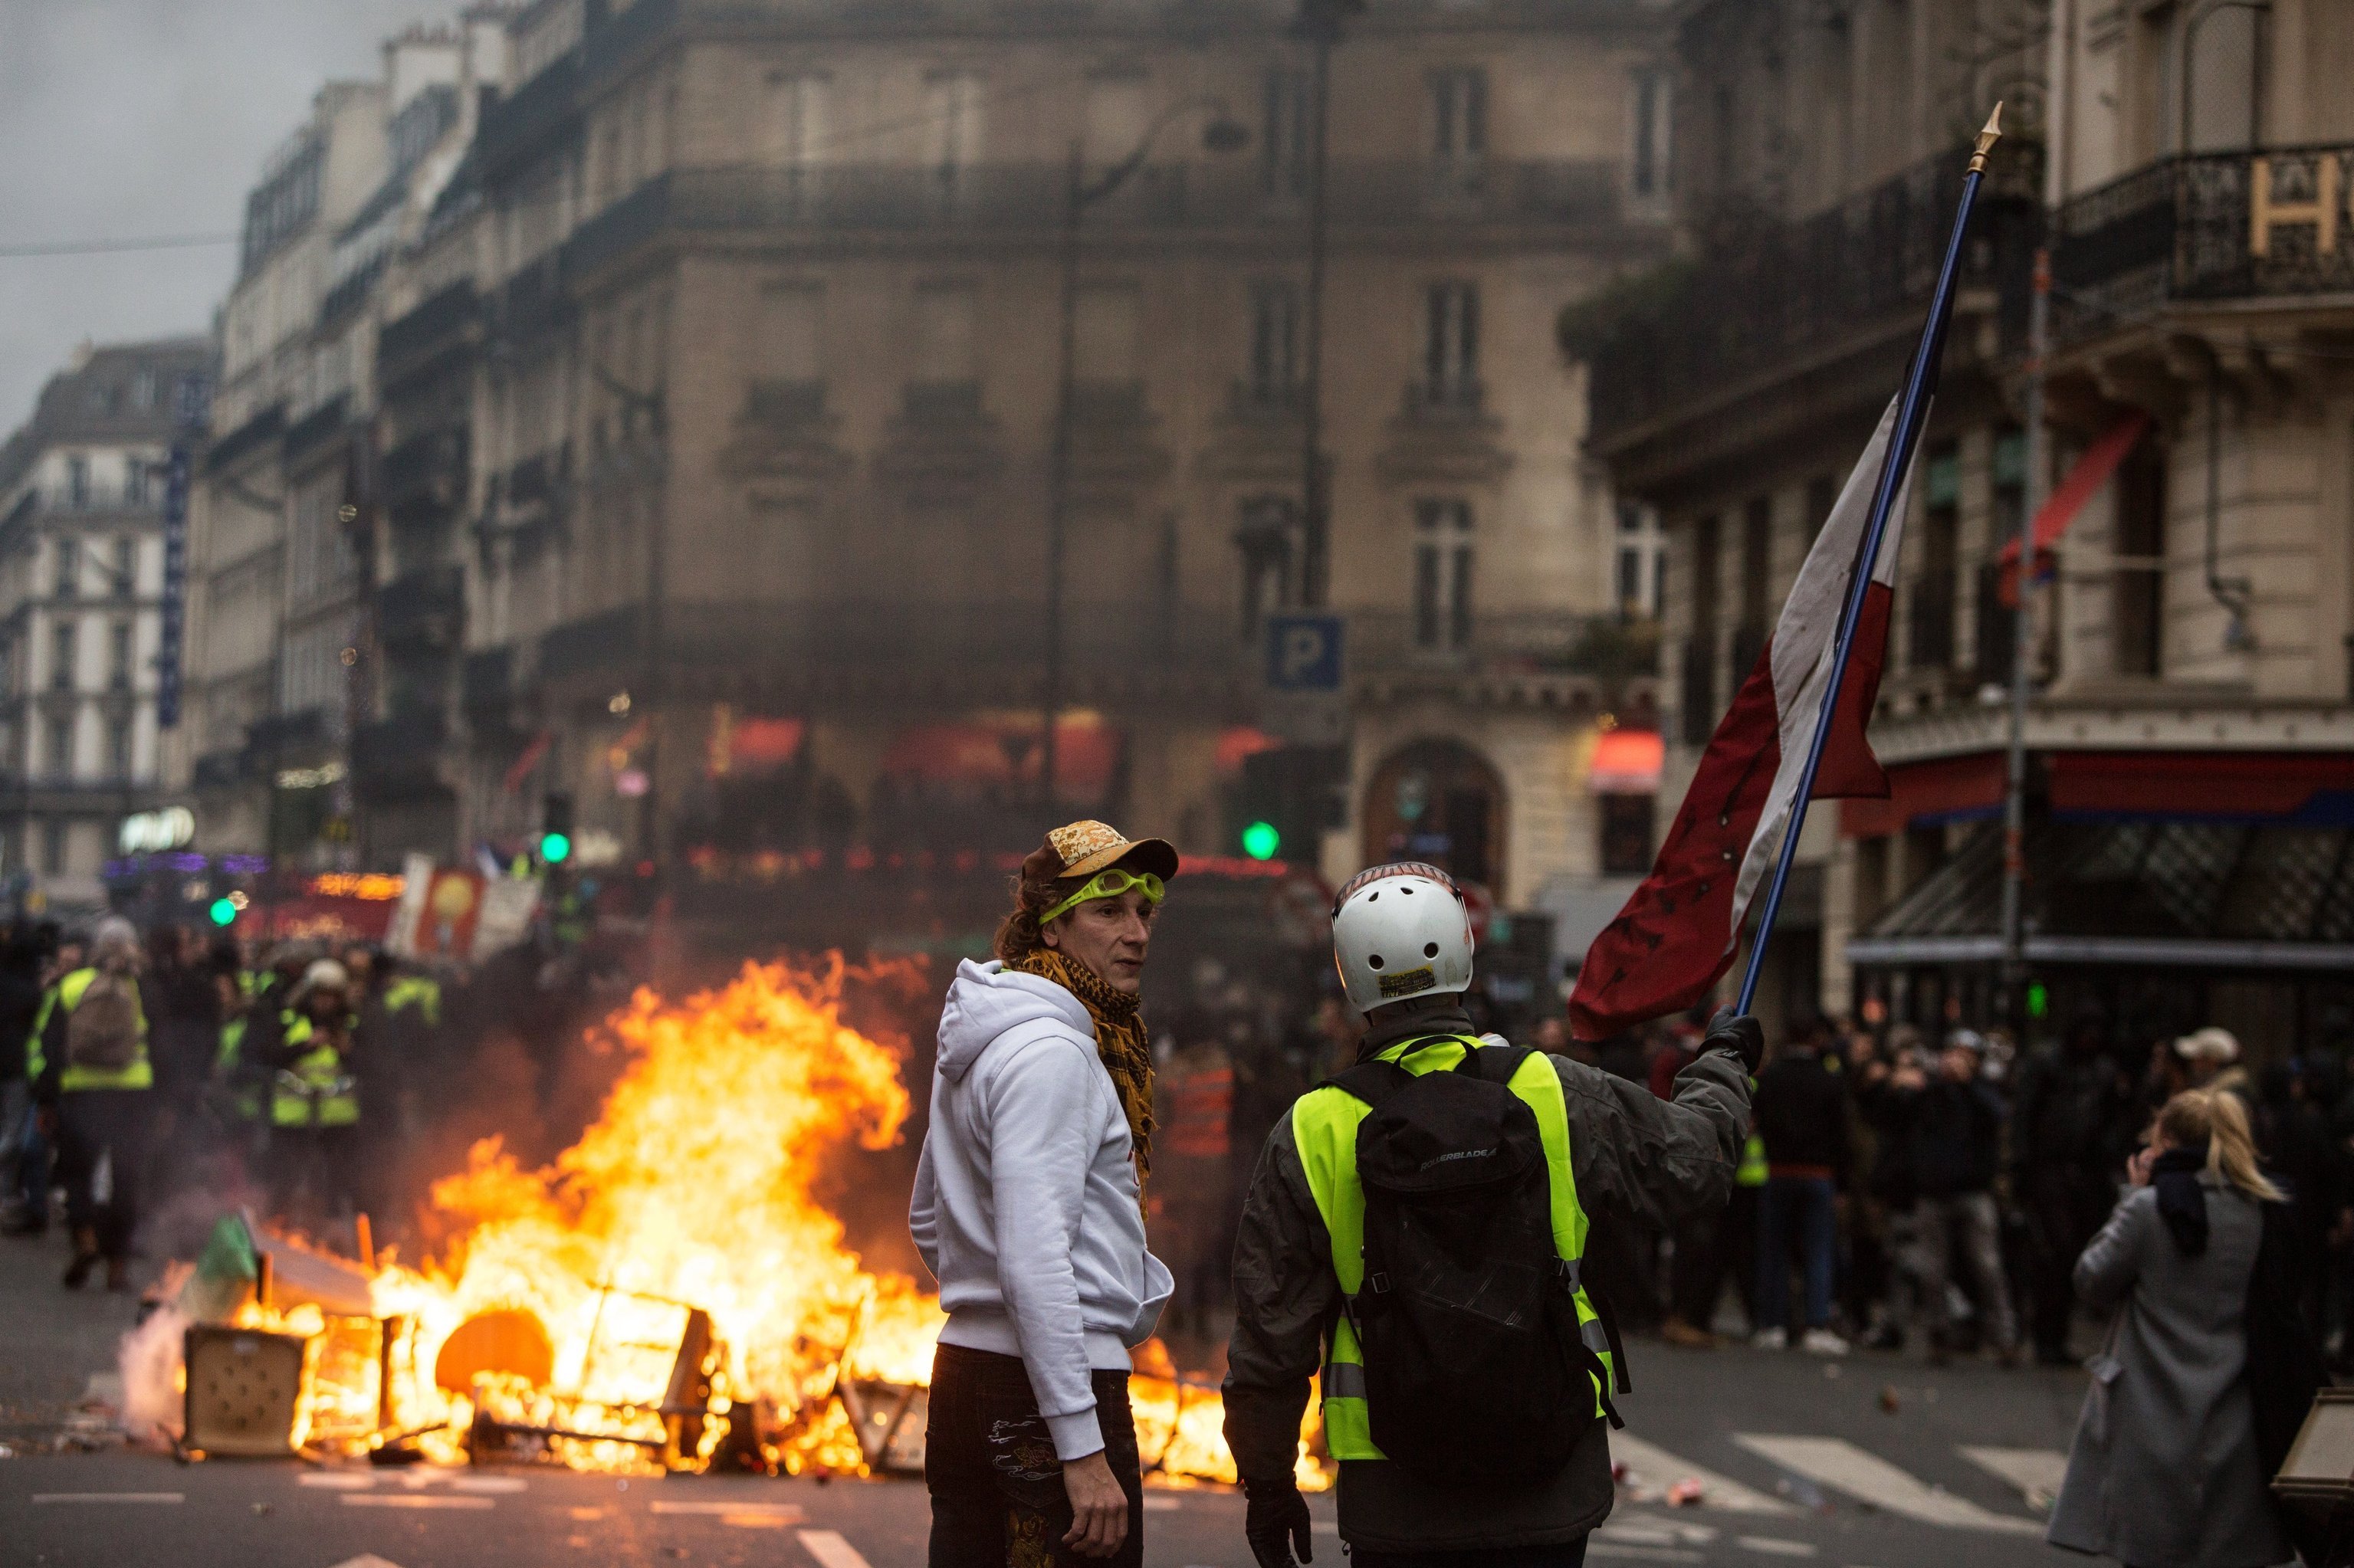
point(153, 1378)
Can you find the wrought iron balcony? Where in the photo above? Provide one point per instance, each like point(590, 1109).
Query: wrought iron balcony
point(437, 323)
point(1502, 642)
point(426, 472)
point(424, 607)
point(1775, 295)
point(2219, 226)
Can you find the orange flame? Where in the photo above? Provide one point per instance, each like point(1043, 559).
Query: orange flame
point(696, 1185)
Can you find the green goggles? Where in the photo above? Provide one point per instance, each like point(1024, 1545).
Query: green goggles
point(1110, 882)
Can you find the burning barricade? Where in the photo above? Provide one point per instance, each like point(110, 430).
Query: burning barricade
point(669, 1293)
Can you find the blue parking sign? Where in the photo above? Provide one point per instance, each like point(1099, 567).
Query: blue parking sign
point(1303, 652)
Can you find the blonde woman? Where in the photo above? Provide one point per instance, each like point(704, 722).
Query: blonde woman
point(2167, 1470)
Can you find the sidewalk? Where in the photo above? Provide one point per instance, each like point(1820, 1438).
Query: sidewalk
point(51, 1339)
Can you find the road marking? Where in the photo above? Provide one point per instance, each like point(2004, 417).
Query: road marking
point(830, 1550)
point(412, 1500)
point(2036, 1472)
point(1642, 1554)
point(1638, 1531)
point(336, 1481)
point(783, 1514)
point(367, 1560)
point(1664, 1469)
point(110, 1497)
point(1834, 1462)
point(1775, 1546)
point(1154, 1502)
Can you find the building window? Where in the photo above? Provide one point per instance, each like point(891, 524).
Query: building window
point(1450, 345)
point(1756, 586)
point(1996, 630)
point(789, 372)
point(69, 563)
point(1106, 347)
point(1267, 537)
point(118, 656)
point(1442, 574)
point(53, 848)
point(1640, 554)
point(1931, 644)
point(143, 387)
point(61, 746)
point(62, 642)
point(954, 123)
point(1647, 173)
point(795, 120)
point(1275, 341)
point(1625, 823)
point(118, 749)
point(134, 482)
point(946, 362)
point(1697, 698)
point(1822, 494)
point(1284, 150)
point(1458, 122)
point(78, 481)
point(126, 568)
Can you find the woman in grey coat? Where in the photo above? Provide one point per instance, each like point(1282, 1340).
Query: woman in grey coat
point(2164, 1472)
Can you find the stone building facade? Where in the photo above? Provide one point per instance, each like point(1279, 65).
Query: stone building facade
point(2192, 635)
point(82, 592)
point(715, 405)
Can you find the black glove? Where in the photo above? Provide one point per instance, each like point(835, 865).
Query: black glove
point(1277, 1523)
point(1739, 1034)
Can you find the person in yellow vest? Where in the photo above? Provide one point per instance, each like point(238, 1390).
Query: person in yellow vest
point(1456, 1251)
point(315, 1102)
point(89, 1063)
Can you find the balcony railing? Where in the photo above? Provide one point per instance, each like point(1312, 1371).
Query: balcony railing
point(902, 198)
point(2218, 226)
point(425, 608)
point(1502, 642)
point(426, 472)
point(1773, 294)
point(436, 322)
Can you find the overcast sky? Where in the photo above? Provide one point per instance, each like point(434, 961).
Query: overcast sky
point(122, 119)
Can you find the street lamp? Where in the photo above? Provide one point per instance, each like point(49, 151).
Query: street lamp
point(1318, 24)
point(1222, 135)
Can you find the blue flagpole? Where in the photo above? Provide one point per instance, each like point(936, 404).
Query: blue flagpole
point(1921, 379)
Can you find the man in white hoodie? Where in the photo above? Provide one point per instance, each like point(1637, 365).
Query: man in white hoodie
point(1028, 1210)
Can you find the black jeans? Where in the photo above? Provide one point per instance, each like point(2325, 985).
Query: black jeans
point(1569, 1554)
point(107, 1128)
point(988, 1462)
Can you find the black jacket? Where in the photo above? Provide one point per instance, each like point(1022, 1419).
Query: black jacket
point(1802, 1114)
point(1637, 1159)
point(1953, 1135)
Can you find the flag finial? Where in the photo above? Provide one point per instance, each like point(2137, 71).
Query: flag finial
point(1987, 139)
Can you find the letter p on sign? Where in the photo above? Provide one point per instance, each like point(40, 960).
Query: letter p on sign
point(1303, 652)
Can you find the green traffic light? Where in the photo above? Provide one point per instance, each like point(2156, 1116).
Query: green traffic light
point(223, 912)
point(555, 848)
point(1260, 841)
point(2038, 1001)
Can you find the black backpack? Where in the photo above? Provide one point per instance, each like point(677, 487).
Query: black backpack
point(1475, 1368)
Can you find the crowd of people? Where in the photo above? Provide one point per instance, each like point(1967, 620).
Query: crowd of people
point(1901, 1188)
point(131, 1064)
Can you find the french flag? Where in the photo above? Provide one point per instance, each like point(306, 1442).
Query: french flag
point(1680, 928)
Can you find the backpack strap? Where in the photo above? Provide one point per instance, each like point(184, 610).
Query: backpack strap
point(1492, 1064)
point(1372, 1082)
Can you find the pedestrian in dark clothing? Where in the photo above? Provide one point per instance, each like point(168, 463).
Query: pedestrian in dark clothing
point(1952, 1126)
point(1696, 1269)
point(1801, 1113)
point(2073, 1118)
point(24, 1153)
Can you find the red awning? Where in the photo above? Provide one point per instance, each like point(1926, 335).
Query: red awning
point(1626, 762)
point(2194, 783)
point(1942, 790)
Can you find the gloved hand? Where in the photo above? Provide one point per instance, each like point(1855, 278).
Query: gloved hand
point(1277, 1523)
point(1739, 1034)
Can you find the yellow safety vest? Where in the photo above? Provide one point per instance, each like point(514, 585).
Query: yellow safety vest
point(68, 993)
point(420, 992)
point(1324, 1126)
point(1751, 1171)
point(323, 1082)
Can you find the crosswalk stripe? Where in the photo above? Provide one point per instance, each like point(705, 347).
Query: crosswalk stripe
point(412, 1500)
point(1833, 1462)
point(830, 1550)
point(110, 1497)
point(1657, 1465)
point(2036, 1472)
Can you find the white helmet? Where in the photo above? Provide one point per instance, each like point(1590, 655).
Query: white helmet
point(1398, 931)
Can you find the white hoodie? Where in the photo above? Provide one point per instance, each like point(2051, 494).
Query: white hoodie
point(1025, 1204)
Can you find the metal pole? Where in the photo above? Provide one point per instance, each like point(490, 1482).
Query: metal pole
point(1322, 23)
point(2022, 642)
point(1912, 412)
point(1058, 481)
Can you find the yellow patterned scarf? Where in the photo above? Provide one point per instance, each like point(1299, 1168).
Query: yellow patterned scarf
point(1120, 1039)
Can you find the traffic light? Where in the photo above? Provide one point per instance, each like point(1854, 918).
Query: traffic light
point(223, 911)
point(556, 828)
point(1285, 799)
